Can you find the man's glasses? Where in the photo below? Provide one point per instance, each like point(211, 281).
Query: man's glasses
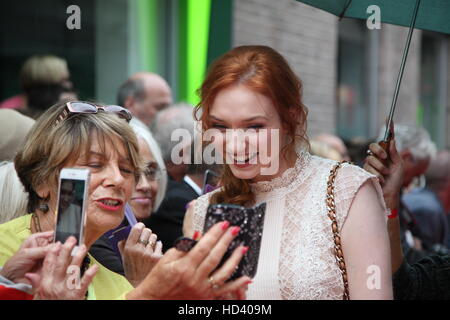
point(74, 107)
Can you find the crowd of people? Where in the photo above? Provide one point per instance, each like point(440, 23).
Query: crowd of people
point(334, 209)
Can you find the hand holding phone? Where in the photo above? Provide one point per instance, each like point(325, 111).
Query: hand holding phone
point(251, 223)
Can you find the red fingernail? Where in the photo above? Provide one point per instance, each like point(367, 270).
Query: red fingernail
point(244, 250)
point(196, 235)
point(248, 282)
point(225, 225)
point(235, 230)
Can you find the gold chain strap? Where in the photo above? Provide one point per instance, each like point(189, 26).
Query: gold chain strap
point(331, 208)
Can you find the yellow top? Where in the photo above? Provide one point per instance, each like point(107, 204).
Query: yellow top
point(106, 285)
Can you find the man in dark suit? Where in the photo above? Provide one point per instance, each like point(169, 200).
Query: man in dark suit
point(167, 222)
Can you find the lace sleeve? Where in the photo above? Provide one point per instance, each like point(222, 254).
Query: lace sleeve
point(200, 207)
point(349, 180)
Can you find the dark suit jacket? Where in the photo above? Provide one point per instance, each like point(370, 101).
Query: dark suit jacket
point(167, 222)
point(104, 253)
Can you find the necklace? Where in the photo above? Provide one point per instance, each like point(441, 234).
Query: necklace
point(36, 222)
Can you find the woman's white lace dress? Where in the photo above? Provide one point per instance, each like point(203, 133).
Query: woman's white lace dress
point(296, 257)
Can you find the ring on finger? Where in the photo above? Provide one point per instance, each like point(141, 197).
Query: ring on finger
point(152, 244)
point(213, 284)
point(144, 242)
point(369, 153)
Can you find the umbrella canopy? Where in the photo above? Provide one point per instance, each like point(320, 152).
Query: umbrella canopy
point(433, 15)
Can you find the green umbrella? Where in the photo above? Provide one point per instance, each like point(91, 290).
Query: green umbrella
point(433, 15)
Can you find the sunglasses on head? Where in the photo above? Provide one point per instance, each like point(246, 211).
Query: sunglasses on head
point(74, 107)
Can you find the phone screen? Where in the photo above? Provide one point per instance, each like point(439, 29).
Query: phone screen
point(70, 209)
point(211, 181)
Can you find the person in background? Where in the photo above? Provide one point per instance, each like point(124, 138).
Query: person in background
point(357, 148)
point(429, 277)
point(167, 222)
point(13, 198)
point(13, 129)
point(45, 80)
point(152, 185)
point(178, 116)
point(415, 149)
point(144, 94)
point(335, 143)
point(427, 205)
point(321, 149)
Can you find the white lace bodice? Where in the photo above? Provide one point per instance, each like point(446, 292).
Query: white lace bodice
point(297, 259)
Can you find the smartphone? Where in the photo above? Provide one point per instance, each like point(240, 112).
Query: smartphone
point(122, 231)
point(73, 189)
point(210, 181)
point(251, 222)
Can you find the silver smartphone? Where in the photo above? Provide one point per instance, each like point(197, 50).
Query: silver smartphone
point(72, 204)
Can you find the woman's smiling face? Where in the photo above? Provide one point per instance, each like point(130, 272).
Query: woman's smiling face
point(144, 194)
point(251, 154)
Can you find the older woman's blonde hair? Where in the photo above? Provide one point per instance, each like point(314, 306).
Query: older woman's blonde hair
point(49, 147)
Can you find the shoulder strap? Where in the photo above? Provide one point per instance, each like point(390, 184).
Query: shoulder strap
point(331, 208)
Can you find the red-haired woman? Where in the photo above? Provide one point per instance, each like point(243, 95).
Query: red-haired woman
point(253, 87)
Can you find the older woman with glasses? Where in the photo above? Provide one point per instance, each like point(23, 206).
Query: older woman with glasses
point(84, 135)
point(152, 184)
point(142, 251)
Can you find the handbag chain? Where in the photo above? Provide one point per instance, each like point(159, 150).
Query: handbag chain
point(331, 208)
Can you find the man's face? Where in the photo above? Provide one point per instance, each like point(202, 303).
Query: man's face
point(156, 99)
point(414, 168)
point(67, 194)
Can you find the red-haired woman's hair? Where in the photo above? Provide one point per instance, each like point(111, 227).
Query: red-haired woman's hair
point(263, 70)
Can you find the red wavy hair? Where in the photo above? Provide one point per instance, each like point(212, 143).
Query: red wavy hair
point(263, 70)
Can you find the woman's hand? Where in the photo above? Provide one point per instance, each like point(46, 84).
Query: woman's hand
point(59, 278)
point(192, 275)
point(28, 258)
point(140, 253)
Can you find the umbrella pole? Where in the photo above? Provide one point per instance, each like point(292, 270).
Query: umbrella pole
point(387, 133)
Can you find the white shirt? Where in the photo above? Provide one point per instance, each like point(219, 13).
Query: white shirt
point(193, 185)
point(296, 259)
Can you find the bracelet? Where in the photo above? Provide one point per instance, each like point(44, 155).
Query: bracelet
point(394, 214)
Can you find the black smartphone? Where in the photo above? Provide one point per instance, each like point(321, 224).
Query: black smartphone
point(251, 222)
point(72, 203)
point(122, 231)
point(210, 181)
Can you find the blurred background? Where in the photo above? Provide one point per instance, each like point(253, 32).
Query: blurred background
point(348, 71)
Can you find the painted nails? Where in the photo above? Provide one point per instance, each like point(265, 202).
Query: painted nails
point(225, 225)
point(196, 235)
point(235, 230)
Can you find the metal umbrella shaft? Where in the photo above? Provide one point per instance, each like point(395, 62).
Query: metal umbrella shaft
point(400, 73)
